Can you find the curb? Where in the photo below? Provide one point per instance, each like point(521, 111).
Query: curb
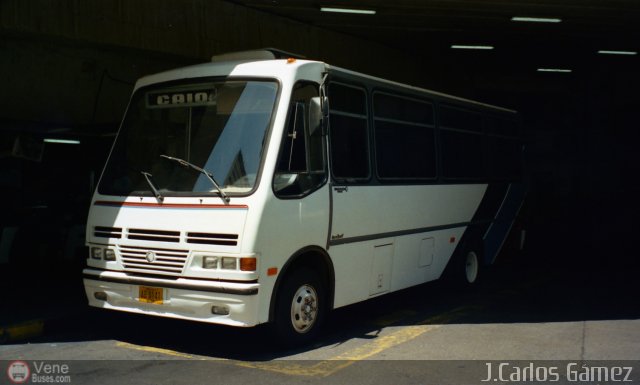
point(21, 331)
point(39, 325)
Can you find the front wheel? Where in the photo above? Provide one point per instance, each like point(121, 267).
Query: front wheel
point(300, 308)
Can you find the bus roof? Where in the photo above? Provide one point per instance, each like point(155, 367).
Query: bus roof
point(268, 63)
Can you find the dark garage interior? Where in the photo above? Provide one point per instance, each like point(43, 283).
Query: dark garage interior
point(67, 69)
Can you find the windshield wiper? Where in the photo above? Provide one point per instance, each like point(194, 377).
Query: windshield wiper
point(183, 162)
point(154, 190)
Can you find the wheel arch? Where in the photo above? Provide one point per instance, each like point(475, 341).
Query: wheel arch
point(472, 239)
point(313, 257)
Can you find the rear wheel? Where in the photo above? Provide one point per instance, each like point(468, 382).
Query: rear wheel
point(300, 308)
point(471, 267)
point(465, 268)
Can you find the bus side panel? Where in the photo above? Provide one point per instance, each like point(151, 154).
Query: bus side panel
point(422, 223)
point(423, 257)
point(362, 270)
point(357, 276)
point(499, 230)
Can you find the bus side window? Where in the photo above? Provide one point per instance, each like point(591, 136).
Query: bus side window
point(348, 133)
point(462, 143)
point(301, 164)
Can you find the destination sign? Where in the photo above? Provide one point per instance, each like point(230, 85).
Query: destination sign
point(181, 98)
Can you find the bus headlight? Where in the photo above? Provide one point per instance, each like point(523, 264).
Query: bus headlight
point(228, 263)
point(103, 253)
point(218, 262)
point(109, 255)
point(209, 262)
point(97, 252)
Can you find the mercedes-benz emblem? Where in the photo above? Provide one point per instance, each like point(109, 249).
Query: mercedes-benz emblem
point(150, 256)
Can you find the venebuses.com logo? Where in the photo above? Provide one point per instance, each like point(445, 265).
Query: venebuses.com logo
point(37, 372)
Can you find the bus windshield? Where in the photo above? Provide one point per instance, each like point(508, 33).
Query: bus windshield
point(219, 126)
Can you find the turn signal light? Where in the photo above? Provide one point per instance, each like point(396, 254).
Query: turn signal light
point(248, 264)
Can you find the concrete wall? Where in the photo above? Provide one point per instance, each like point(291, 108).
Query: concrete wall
point(73, 62)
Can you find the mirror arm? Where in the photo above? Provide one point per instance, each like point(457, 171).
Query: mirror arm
point(324, 105)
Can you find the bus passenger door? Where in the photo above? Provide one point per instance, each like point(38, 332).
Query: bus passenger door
point(357, 242)
point(356, 239)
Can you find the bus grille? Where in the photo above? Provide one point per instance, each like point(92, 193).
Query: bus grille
point(213, 239)
point(153, 260)
point(172, 236)
point(107, 232)
point(154, 235)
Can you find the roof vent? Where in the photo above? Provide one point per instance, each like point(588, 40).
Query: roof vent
point(254, 55)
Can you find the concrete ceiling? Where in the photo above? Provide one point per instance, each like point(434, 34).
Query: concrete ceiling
point(429, 27)
point(102, 47)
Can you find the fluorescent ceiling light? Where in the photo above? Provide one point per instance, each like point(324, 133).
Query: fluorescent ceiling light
point(536, 19)
point(605, 52)
point(349, 10)
point(564, 70)
point(461, 46)
point(62, 141)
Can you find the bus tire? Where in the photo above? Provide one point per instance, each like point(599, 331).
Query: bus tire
point(300, 308)
point(471, 268)
point(464, 270)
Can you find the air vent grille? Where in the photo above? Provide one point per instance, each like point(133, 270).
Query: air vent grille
point(171, 236)
point(154, 235)
point(213, 239)
point(107, 232)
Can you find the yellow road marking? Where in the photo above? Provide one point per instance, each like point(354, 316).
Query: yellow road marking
point(383, 343)
point(22, 331)
point(343, 360)
point(150, 349)
point(334, 364)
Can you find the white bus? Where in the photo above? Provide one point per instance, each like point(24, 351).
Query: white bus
point(254, 189)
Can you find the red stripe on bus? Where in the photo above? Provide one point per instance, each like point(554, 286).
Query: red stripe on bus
point(169, 205)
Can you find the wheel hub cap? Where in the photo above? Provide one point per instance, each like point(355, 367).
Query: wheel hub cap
point(304, 309)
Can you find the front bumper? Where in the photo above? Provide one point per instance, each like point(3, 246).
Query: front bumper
point(184, 298)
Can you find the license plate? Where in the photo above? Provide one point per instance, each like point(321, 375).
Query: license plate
point(151, 295)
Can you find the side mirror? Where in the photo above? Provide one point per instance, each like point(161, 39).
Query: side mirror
point(284, 180)
point(318, 114)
